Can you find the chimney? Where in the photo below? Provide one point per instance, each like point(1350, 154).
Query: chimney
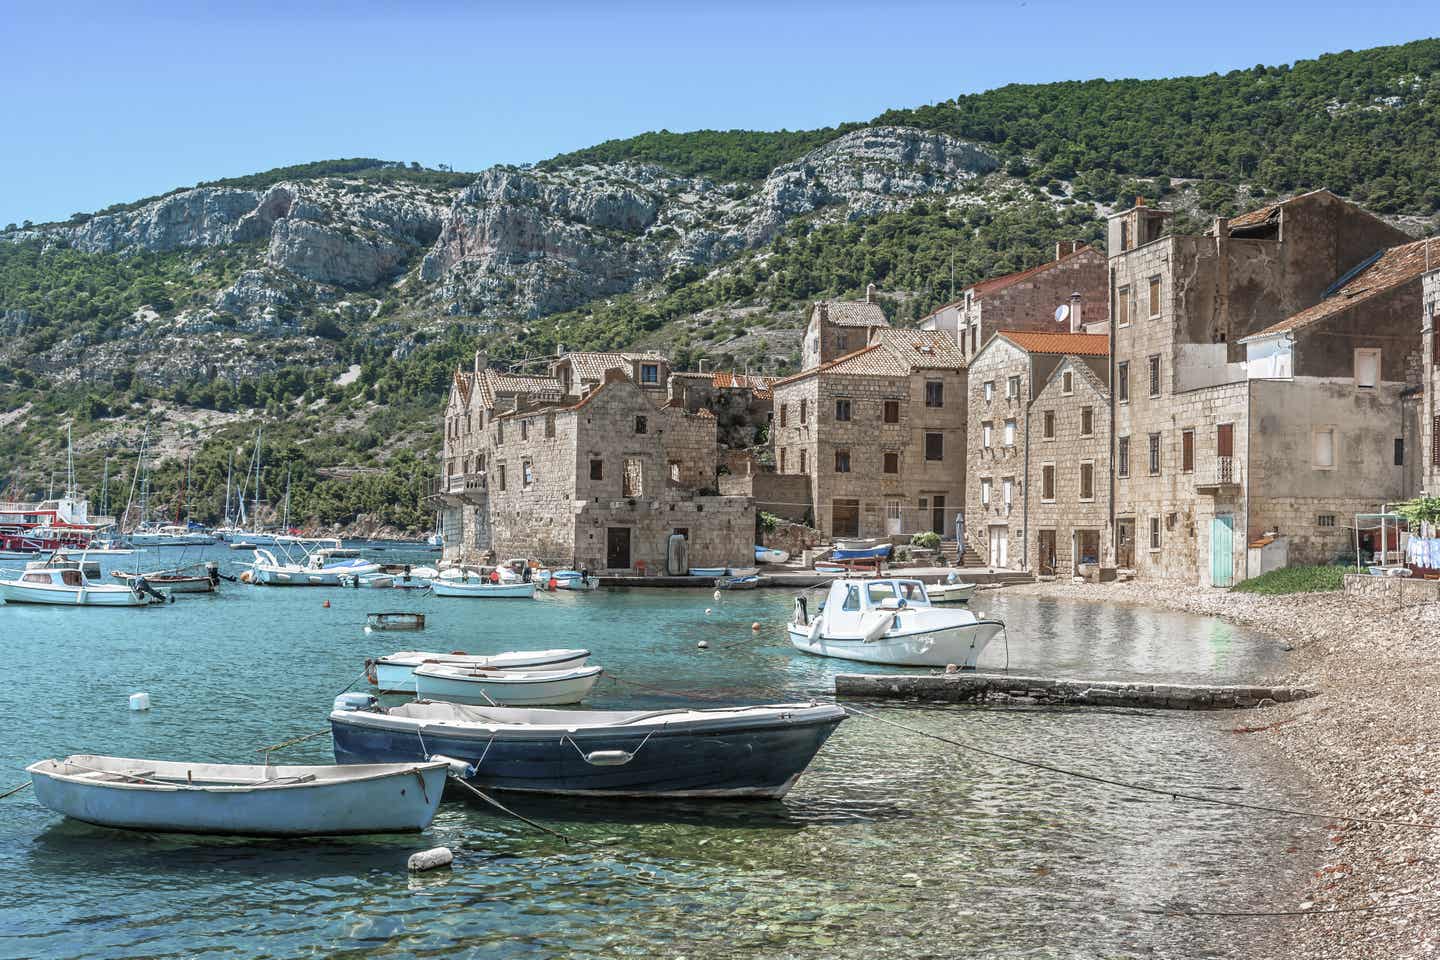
point(1139, 201)
point(1222, 226)
point(869, 293)
point(700, 365)
point(481, 361)
point(824, 311)
point(1076, 320)
point(559, 349)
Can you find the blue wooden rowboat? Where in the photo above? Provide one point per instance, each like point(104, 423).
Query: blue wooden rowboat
point(247, 800)
point(730, 752)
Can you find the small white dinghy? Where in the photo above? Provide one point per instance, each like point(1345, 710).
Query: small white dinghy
point(459, 683)
point(485, 591)
point(395, 673)
point(248, 800)
point(958, 592)
point(890, 621)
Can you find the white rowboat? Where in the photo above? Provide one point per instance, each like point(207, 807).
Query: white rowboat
point(460, 588)
point(395, 673)
point(458, 683)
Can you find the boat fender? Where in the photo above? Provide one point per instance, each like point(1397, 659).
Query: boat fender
point(815, 631)
point(139, 701)
point(802, 613)
point(458, 768)
point(432, 859)
point(877, 628)
point(608, 758)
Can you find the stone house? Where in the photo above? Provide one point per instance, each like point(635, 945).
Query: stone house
point(1067, 504)
point(601, 479)
point(1029, 299)
point(742, 403)
point(580, 371)
point(1430, 418)
point(1257, 375)
point(1005, 377)
point(840, 327)
point(880, 432)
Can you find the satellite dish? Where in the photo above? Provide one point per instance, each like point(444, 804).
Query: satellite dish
point(1062, 313)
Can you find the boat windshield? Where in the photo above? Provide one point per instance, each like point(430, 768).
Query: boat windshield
point(72, 578)
point(880, 592)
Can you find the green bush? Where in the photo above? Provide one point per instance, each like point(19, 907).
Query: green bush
point(929, 540)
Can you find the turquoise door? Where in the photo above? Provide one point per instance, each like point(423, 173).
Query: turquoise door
point(1222, 561)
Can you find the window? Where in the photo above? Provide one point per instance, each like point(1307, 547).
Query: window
point(987, 430)
point(804, 411)
point(502, 476)
point(1325, 520)
point(989, 390)
point(1367, 368)
point(782, 460)
point(1012, 387)
point(974, 338)
point(1122, 306)
point(1067, 383)
point(1154, 533)
point(527, 475)
point(1154, 454)
point(1153, 364)
point(1122, 381)
point(674, 466)
point(1399, 451)
point(1087, 421)
point(649, 373)
point(642, 425)
point(1087, 480)
point(1010, 432)
point(524, 429)
point(549, 426)
point(842, 461)
point(842, 341)
point(985, 491)
point(1187, 451)
point(1122, 457)
point(1049, 425)
point(784, 413)
point(934, 446)
point(892, 411)
point(1324, 448)
point(804, 465)
point(597, 469)
point(634, 482)
point(1007, 492)
point(1154, 297)
point(852, 600)
point(842, 410)
point(934, 393)
point(1047, 482)
point(892, 463)
point(499, 432)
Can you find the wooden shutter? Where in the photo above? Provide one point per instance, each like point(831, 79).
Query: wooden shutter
point(1225, 440)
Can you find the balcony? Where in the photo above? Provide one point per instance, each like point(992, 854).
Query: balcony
point(459, 488)
point(1223, 476)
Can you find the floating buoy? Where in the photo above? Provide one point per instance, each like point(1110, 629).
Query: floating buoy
point(703, 644)
point(717, 594)
point(707, 611)
point(430, 859)
point(326, 604)
point(755, 626)
point(367, 629)
point(139, 701)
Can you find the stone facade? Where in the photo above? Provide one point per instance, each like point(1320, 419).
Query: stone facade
point(1216, 444)
point(1068, 500)
point(600, 480)
point(838, 327)
point(742, 404)
point(1004, 378)
point(1430, 417)
point(1027, 300)
point(881, 435)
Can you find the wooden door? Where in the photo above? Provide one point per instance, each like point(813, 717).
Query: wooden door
point(844, 518)
point(1047, 553)
point(937, 515)
point(1222, 560)
point(1125, 543)
point(617, 548)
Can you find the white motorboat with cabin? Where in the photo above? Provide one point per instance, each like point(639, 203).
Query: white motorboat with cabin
point(320, 569)
point(170, 535)
point(395, 672)
point(64, 584)
point(891, 621)
point(462, 683)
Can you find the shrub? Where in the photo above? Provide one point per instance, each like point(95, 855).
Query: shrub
point(929, 540)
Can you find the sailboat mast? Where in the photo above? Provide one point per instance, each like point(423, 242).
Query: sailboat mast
point(105, 489)
point(259, 439)
point(287, 498)
point(229, 474)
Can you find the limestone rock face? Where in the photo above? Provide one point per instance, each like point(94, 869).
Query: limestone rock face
point(204, 217)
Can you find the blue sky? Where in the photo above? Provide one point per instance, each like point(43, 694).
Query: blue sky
point(111, 102)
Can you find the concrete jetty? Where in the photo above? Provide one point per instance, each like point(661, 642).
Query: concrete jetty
point(1005, 689)
point(795, 578)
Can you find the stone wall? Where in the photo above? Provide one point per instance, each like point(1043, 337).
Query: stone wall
point(1430, 402)
point(720, 531)
point(996, 364)
point(784, 495)
point(1067, 515)
point(1395, 591)
point(1029, 303)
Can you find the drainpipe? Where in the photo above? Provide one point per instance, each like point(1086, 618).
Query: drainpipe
point(1249, 435)
point(1025, 504)
point(1114, 542)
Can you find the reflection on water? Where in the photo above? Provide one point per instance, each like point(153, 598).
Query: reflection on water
point(891, 846)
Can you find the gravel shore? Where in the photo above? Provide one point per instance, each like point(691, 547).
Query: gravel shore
point(1366, 744)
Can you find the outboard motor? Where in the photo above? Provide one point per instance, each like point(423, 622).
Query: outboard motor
point(141, 588)
point(212, 570)
point(353, 702)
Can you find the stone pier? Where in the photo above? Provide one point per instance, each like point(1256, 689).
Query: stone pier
point(1005, 689)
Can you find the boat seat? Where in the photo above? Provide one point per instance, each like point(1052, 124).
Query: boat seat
point(118, 774)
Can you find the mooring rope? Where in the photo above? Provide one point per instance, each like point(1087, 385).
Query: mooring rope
point(14, 790)
point(523, 819)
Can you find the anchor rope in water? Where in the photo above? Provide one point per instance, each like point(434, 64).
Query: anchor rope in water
point(14, 790)
point(293, 740)
point(1140, 787)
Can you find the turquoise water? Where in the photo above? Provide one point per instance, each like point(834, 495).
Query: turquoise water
point(890, 846)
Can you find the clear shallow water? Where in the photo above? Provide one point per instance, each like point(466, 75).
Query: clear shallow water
point(891, 845)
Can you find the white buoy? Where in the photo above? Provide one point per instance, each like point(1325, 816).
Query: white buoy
point(717, 594)
point(139, 701)
point(707, 611)
point(431, 859)
point(703, 644)
point(367, 629)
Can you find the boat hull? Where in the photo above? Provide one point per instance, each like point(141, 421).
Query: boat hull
point(392, 800)
point(952, 592)
point(960, 645)
point(522, 689)
point(96, 596)
point(399, 677)
point(758, 760)
point(479, 591)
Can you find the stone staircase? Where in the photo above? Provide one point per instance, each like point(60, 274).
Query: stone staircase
point(949, 549)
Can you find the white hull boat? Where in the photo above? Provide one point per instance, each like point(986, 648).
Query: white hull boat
point(318, 571)
point(457, 683)
point(568, 580)
point(892, 622)
point(461, 588)
point(246, 800)
point(70, 587)
point(952, 592)
point(395, 673)
point(770, 555)
point(171, 536)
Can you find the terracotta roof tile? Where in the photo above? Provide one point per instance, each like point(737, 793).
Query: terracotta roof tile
point(1393, 268)
point(855, 313)
point(591, 365)
point(921, 349)
point(1080, 344)
point(724, 379)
